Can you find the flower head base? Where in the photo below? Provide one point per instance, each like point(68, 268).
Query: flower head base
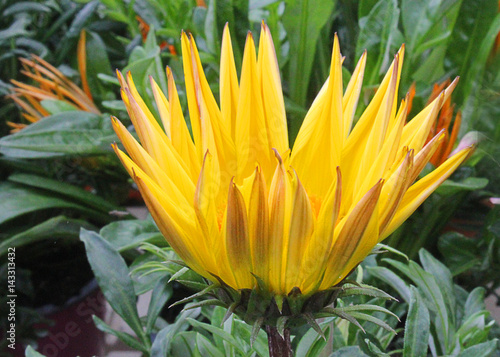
point(245, 211)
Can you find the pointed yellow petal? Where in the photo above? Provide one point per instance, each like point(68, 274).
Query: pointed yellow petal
point(318, 250)
point(252, 146)
point(317, 149)
point(272, 94)
point(258, 227)
point(301, 229)
point(229, 89)
point(422, 189)
point(351, 235)
point(351, 96)
point(237, 241)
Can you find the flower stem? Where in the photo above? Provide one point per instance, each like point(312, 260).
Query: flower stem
point(279, 346)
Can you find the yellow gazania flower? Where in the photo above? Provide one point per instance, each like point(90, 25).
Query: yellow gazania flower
point(237, 202)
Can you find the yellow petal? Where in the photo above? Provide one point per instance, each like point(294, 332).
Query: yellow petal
point(237, 241)
point(318, 250)
point(258, 227)
point(351, 235)
point(229, 88)
point(301, 229)
point(317, 149)
point(351, 95)
point(272, 94)
point(422, 189)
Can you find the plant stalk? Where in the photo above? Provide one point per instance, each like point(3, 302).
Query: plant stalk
point(279, 346)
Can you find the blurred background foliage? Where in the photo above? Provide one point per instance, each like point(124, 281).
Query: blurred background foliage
point(61, 167)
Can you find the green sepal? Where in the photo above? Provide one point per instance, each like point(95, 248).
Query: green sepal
point(208, 302)
point(230, 311)
point(205, 291)
point(311, 321)
point(178, 274)
point(281, 325)
point(255, 330)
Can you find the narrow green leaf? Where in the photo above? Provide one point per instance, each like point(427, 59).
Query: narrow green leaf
point(61, 188)
point(30, 352)
point(126, 338)
point(162, 292)
point(218, 332)
point(112, 275)
point(53, 228)
point(303, 21)
point(485, 349)
point(18, 200)
point(389, 277)
point(417, 327)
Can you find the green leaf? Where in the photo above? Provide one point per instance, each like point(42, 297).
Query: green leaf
point(162, 342)
point(443, 275)
point(125, 235)
point(69, 133)
point(450, 187)
point(378, 34)
point(76, 194)
point(308, 342)
point(18, 200)
point(432, 296)
point(112, 275)
point(474, 302)
point(303, 21)
point(161, 294)
point(126, 338)
point(206, 348)
point(485, 349)
point(30, 352)
point(460, 252)
point(25, 6)
point(350, 351)
point(389, 277)
point(53, 228)
point(218, 332)
point(81, 19)
point(97, 63)
point(417, 327)
point(57, 106)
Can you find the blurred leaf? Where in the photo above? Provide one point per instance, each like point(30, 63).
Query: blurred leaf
point(389, 277)
point(350, 351)
point(417, 327)
point(450, 187)
point(443, 275)
point(379, 35)
point(485, 349)
point(76, 194)
point(163, 339)
point(53, 228)
point(68, 133)
point(303, 21)
point(57, 106)
point(30, 352)
point(18, 200)
point(126, 338)
point(474, 302)
point(125, 235)
point(25, 6)
point(112, 275)
point(161, 294)
point(97, 63)
point(309, 343)
point(459, 252)
point(231, 340)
